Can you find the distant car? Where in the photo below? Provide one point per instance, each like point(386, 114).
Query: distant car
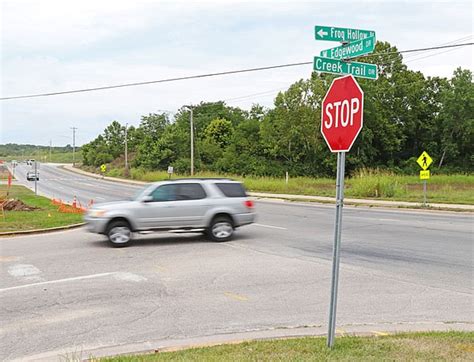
point(32, 176)
point(211, 206)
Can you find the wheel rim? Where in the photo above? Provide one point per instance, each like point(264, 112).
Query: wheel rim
point(222, 230)
point(119, 234)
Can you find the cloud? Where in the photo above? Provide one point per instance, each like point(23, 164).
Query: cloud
point(60, 45)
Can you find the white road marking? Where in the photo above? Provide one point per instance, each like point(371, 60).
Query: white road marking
point(269, 226)
point(23, 270)
point(117, 275)
point(129, 277)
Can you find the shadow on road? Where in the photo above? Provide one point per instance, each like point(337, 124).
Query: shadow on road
point(164, 239)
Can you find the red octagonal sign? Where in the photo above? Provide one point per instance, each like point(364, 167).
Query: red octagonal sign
point(342, 113)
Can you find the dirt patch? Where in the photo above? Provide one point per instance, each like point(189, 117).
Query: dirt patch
point(16, 205)
point(3, 172)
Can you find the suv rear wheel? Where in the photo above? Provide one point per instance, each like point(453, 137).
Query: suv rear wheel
point(221, 229)
point(119, 233)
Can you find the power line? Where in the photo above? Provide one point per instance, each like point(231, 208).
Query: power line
point(455, 41)
point(207, 75)
point(431, 55)
point(159, 81)
point(416, 50)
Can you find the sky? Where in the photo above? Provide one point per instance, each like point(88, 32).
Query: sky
point(49, 46)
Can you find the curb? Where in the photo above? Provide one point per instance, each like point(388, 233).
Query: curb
point(364, 203)
point(41, 231)
point(93, 352)
point(98, 177)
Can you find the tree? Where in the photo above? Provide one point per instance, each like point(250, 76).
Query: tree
point(150, 152)
point(219, 131)
point(457, 122)
point(114, 137)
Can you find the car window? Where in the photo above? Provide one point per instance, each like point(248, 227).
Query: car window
point(190, 192)
point(142, 192)
point(164, 193)
point(233, 189)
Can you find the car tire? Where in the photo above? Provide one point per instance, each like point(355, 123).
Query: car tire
point(119, 234)
point(221, 229)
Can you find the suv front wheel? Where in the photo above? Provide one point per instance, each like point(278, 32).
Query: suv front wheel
point(119, 233)
point(221, 229)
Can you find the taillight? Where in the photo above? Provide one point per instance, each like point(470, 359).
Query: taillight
point(248, 204)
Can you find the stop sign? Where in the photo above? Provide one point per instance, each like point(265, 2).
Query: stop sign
point(342, 113)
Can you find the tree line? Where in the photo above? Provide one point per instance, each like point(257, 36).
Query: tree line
point(405, 113)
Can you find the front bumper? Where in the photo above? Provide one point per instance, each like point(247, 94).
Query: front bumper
point(96, 224)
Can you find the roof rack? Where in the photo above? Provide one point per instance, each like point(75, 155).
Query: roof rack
point(200, 179)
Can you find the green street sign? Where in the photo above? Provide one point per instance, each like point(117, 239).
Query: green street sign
point(351, 50)
point(344, 35)
point(361, 70)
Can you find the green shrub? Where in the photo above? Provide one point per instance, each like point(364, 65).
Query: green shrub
point(376, 183)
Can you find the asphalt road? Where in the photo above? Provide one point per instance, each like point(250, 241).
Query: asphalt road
point(59, 183)
point(69, 292)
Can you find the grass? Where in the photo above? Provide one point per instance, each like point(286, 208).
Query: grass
point(56, 157)
point(430, 346)
point(366, 184)
point(46, 217)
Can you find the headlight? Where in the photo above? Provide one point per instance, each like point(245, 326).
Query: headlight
point(97, 213)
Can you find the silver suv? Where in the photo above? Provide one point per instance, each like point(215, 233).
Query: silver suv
point(213, 206)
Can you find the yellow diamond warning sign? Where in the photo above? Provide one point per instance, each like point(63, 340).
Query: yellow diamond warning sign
point(425, 175)
point(424, 160)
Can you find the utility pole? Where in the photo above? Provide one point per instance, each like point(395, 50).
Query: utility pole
point(192, 142)
point(192, 138)
point(50, 144)
point(126, 149)
point(73, 146)
point(36, 177)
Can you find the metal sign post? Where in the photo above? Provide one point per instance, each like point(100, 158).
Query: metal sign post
point(342, 114)
point(341, 162)
point(36, 177)
point(424, 193)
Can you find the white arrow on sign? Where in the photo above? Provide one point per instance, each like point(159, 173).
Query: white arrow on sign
point(322, 33)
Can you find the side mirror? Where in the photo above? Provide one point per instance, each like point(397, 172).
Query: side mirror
point(147, 198)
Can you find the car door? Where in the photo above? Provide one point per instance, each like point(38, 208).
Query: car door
point(192, 204)
point(158, 212)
